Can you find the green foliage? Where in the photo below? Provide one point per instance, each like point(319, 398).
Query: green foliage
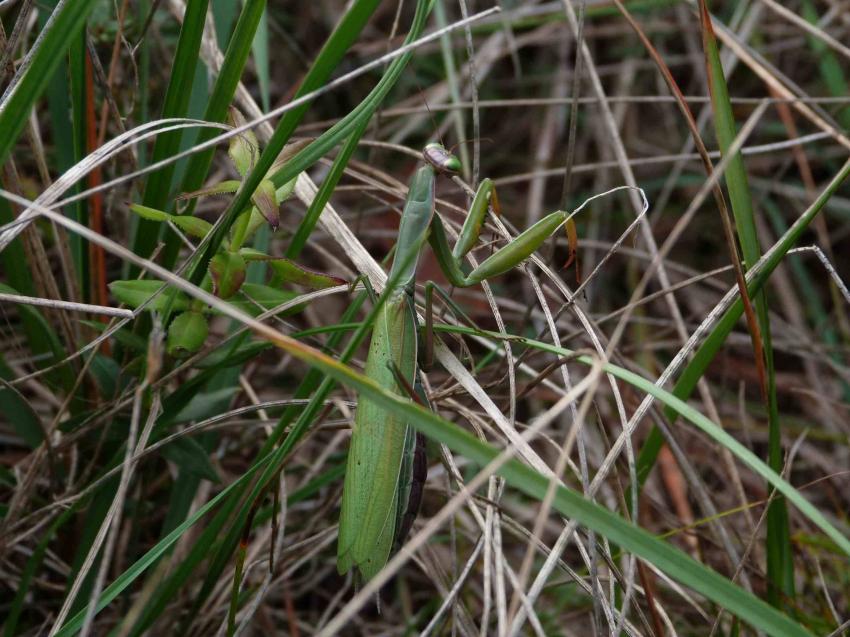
point(186, 334)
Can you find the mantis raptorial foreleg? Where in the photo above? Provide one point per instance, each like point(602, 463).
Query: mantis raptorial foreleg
point(377, 478)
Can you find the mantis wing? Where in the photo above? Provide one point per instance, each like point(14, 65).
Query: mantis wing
point(370, 499)
point(371, 492)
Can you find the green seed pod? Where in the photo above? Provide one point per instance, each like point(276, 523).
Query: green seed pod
point(187, 334)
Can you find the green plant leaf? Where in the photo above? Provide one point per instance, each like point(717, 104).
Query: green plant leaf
point(135, 292)
point(228, 186)
point(265, 199)
point(186, 334)
point(151, 214)
point(227, 270)
point(780, 567)
point(61, 31)
point(192, 226)
point(266, 297)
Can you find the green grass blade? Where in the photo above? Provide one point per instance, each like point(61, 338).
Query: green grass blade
point(308, 223)
point(176, 103)
point(260, 48)
point(705, 353)
point(63, 26)
point(780, 567)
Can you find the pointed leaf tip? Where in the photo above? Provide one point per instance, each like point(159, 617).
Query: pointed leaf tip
point(265, 199)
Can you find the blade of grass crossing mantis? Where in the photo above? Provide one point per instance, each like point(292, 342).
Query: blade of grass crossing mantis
point(780, 567)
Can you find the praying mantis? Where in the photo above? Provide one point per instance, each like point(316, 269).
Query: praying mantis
point(380, 494)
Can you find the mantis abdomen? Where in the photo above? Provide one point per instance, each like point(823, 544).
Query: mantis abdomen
point(371, 500)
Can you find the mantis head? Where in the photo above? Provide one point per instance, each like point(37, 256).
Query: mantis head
point(440, 158)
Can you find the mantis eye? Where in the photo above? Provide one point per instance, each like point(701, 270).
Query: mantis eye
point(452, 164)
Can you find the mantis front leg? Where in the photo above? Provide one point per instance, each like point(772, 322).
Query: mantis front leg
point(505, 258)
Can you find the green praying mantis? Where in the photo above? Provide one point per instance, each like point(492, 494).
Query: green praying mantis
point(380, 493)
